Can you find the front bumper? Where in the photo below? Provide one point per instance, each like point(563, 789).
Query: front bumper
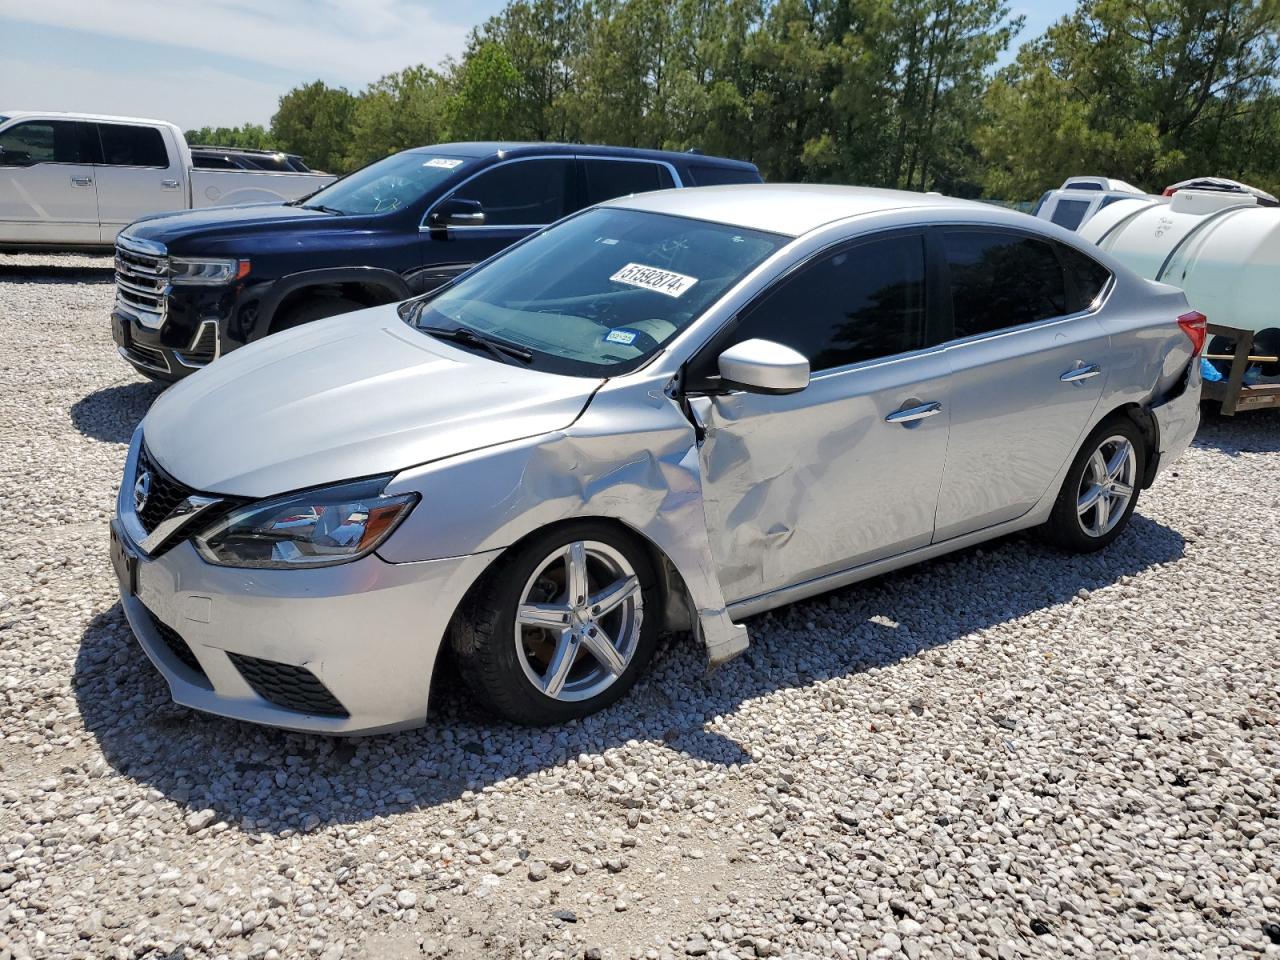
point(195, 326)
point(368, 631)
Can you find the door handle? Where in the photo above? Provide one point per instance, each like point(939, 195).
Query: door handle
point(82, 181)
point(1086, 372)
point(169, 184)
point(913, 414)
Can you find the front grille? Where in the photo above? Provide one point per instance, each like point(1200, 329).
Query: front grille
point(178, 647)
point(294, 688)
point(141, 282)
point(165, 492)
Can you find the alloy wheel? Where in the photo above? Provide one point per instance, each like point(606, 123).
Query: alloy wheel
point(1107, 486)
point(577, 626)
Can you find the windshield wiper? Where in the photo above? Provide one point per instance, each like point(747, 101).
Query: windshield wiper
point(500, 349)
point(323, 209)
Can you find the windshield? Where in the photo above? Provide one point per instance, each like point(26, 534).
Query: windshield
point(601, 293)
point(391, 184)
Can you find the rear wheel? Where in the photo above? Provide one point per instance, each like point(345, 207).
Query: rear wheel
point(1100, 492)
point(557, 630)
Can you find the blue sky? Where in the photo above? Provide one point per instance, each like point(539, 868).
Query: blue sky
point(226, 62)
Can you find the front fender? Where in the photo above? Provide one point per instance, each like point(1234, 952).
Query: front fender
point(632, 457)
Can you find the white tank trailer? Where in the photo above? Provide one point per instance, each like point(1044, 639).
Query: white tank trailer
point(1221, 249)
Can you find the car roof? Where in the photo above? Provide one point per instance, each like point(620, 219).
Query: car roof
point(61, 115)
point(505, 149)
point(792, 209)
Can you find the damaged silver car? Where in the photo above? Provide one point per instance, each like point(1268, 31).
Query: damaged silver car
point(671, 411)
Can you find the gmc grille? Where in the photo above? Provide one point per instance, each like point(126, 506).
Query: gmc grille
point(141, 282)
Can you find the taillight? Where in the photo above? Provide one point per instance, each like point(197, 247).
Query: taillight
point(1195, 326)
point(1169, 192)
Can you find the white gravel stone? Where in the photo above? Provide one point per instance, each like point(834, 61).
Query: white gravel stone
point(1006, 753)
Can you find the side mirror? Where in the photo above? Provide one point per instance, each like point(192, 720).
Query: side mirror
point(762, 366)
point(456, 212)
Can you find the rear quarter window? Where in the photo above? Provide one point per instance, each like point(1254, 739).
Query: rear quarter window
point(1087, 279)
point(708, 175)
point(1069, 213)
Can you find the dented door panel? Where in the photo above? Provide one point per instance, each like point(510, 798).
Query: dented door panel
point(799, 486)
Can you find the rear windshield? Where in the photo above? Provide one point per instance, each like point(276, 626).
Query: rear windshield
point(599, 294)
point(1069, 213)
point(388, 185)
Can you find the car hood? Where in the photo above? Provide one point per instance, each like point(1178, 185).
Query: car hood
point(352, 396)
point(180, 229)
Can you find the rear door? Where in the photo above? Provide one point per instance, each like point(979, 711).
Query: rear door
point(516, 197)
point(47, 188)
point(137, 175)
point(846, 471)
point(1028, 366)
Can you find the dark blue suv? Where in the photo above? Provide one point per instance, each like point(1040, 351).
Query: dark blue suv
point(191, 286)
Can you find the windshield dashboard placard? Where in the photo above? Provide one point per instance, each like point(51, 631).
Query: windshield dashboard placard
point(443, 163)
point(653, 278)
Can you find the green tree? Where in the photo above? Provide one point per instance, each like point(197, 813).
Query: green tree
point(314, 120)
point(485, 104)
point(405, 109)
point(1147, 90)
point(251, 136)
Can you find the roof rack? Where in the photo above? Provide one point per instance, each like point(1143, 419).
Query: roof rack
point(265, 153)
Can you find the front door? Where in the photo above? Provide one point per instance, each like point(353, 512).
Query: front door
point(846, 471)
point(48, 193)
point(516, 197)
point(1027, 371)
point(137, 177)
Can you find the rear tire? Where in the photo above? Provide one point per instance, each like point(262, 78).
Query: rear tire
point(537, 647)
point(317, 308)
point(1101, 488)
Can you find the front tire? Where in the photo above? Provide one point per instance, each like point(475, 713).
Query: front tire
point(558, 629)
point(1101, 489)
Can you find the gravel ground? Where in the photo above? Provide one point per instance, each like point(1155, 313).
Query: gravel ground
point(1009, 753)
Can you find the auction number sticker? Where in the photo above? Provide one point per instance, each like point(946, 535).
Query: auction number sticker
point(443, 162)
point(652, 278)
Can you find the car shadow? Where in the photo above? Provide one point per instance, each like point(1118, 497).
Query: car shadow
point(235, 768)
point(113, 413)
point(55, 272)
point(1257, 431)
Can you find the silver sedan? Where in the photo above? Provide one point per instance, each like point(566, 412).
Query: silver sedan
point(672, 411)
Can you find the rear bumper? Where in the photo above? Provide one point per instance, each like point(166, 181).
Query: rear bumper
point(367, 631)
point(1178, 418)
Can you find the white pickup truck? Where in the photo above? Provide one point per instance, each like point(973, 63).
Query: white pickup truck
point(70, 180)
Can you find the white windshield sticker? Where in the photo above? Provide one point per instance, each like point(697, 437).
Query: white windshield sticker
point(443, 162)
point(652, 278)
point(620, 335)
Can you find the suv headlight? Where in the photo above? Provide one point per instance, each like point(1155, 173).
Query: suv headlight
point(210, 270)
point(314, 528)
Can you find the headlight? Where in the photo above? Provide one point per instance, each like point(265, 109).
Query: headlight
point(316, 528)
point(207, 271)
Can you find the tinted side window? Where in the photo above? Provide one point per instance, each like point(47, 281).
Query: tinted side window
point(524, 193)
point(864, 302)
point(706, 175)
point(127, 146)
point(1002, 280)
point(607, 179)
point(206, 161)
point(1069, 213)
point(43, 141)
point(1087, 275)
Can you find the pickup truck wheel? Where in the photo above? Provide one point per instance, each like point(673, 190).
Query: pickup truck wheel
point(1101, 489)
point(557, 629)
point(315, 309)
